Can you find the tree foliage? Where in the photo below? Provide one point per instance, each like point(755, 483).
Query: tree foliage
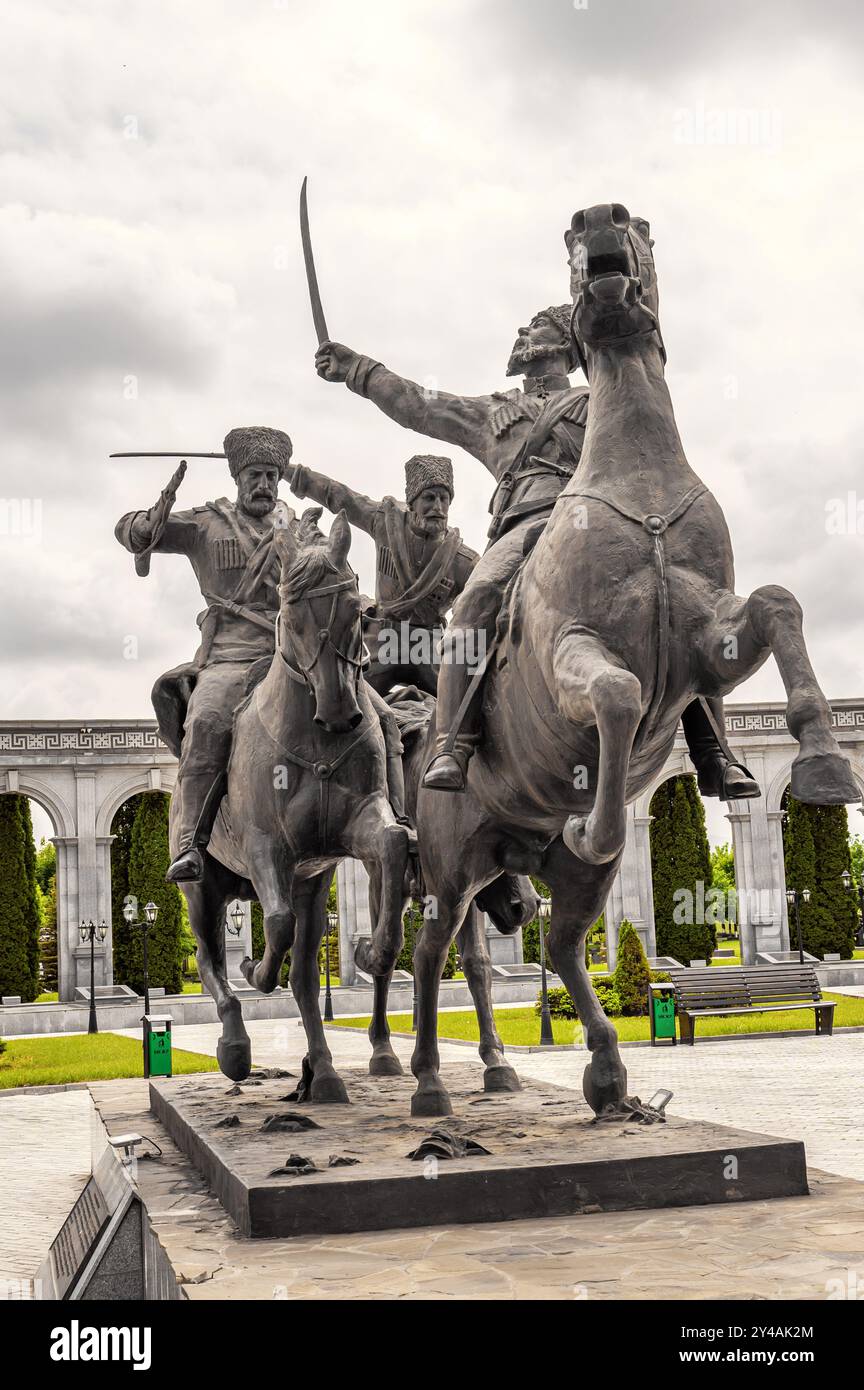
point(680, 862)
point(19, 903)
point(816, 852)
point(149, 858)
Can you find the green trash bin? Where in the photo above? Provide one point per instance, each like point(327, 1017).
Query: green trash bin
point(661, 1013)
point(157, 1044)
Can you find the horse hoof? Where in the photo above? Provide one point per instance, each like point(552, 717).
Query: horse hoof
point(234, 1058)
point(825, 779)
point(501, 1078)
point(599, 1093)
point(579, 839)
point(328, 1090)
point(385, 1064)
point(247, 970)
point(429, 1102)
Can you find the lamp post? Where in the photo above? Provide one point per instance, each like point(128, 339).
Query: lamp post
point(151, 912)
point(235, 919)
point(547, 1038)
point(859, 887)
point(332, 925)
point(793, 898)
point(88, 932)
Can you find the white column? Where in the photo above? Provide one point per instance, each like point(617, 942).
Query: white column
point(757, 844)
point(631, 895)
point(355, 918)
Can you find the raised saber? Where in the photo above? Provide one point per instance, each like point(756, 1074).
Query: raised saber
point(144, 454)
point(311, 277)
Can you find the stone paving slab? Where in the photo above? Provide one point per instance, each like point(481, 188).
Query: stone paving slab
point(44, 1165)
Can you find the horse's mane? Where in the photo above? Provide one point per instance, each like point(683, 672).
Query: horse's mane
point(307, 571)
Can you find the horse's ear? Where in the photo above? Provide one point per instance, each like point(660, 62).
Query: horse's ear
point(286, 545)
point(340, 539)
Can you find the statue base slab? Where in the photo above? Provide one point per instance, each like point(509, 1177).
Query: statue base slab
point(546, 1158)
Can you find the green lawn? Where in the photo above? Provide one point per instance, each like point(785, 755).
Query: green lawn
point(55, 1061)
point(521, 1027)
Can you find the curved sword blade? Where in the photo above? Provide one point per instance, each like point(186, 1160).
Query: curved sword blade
point(311, 277)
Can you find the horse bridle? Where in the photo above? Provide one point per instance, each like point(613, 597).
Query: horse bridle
point(325, 634)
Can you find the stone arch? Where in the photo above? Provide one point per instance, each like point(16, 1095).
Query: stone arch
point(141, 779)
point(51, 800)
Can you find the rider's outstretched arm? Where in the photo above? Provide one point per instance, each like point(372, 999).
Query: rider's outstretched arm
point(459, 420)
point(336, 497)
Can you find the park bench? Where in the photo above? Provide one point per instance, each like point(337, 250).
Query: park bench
point(736, 989)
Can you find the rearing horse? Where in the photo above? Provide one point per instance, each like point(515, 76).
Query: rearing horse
point(623, 613)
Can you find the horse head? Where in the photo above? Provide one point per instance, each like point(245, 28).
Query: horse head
point(320, 635)
point(612, 278)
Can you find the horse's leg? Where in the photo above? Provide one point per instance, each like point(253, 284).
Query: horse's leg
point(430, 953)
point(738, 641)
point(474, 955)
point(273, 877)
point(311, 907)
point(207, 901)
point(595, 688)
point(382, 845)
point(383, 1061)
point(579, 893)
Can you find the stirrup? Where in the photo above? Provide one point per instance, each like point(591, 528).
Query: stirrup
point(446, 773)
point(188, 867)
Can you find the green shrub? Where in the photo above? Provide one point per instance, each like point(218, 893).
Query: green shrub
point(610, 1000)
point(632, 973)
point(560, 1004)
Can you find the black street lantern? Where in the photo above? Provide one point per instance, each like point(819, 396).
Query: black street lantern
point(793, 898)
point(859, 888)
point(235, 919)
point(151, 912)
point(88, 931)
point(547, 1038)
point(332, 925)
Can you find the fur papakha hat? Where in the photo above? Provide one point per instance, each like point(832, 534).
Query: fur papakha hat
point(427, 470)
point(560, 315)
point(258, 443)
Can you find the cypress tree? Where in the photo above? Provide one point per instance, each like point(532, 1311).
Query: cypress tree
point(149, 858)
point(680, 860)
point(815, 852)
point(48, 939)
point(19, 954)
point(632, 974)
point(34, 905)
point(122, 933)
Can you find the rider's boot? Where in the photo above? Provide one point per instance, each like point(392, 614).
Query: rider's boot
point(448, 770)
point(197, 789)
point(716, 774)
point(395, 771)
point(457, 737)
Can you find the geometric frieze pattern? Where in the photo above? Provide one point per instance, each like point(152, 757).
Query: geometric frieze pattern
point(90, 738)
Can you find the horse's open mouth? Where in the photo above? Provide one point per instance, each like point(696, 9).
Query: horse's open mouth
point(607, 263)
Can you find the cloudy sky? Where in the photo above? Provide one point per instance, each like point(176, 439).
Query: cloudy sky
point(153, 292)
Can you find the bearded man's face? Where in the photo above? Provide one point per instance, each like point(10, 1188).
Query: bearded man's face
point(257, 488)
point(540, 338)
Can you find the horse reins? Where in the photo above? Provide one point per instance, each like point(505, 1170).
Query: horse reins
point(321, 769)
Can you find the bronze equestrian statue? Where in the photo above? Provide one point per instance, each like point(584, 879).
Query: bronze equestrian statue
point(421, 566)
point(531, 440)
point(230, 545)
point(623, 613)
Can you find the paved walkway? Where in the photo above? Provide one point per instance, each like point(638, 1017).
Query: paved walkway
point(44, 1164)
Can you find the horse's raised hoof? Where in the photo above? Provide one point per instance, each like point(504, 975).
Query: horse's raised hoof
point(824, 779)
point(234, 1058)
point(328, 1089)
point(429, 1101)
point(385, 1063)
point(501, 1078)
point(247, 970)
point(579, 837)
